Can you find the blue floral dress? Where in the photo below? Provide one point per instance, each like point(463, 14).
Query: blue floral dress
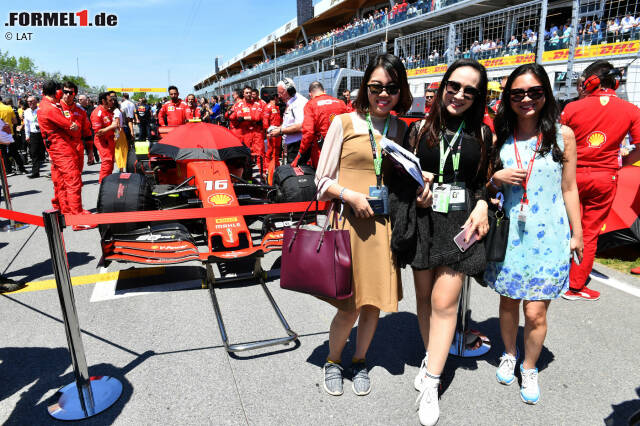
point(536, 265)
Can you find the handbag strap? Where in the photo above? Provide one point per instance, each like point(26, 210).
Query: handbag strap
point(301, 220)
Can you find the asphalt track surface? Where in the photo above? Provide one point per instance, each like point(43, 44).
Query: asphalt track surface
point(155, 330)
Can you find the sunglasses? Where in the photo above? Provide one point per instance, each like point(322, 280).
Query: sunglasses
point(534, 93)
point(376, 88)
point(428, 97)
point(68, 92)
point(469, 92)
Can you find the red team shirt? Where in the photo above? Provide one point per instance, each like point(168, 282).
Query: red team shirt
point(192, 113)
point(173, 112)
point(78, 116)
point(598, 136)
point(318, 114)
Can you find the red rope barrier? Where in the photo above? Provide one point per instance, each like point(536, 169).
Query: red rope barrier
point(22, 217)
point(178, 214)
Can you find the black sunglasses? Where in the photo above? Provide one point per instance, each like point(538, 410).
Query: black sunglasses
point(534, 93)
point(469, 92)
point(377, 88)
point(68, 92)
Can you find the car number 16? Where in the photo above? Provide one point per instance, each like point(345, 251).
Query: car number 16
point(218, 185)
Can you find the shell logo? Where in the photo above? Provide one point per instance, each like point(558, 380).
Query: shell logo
point(220, 199)
point(604, 100)
point(596, 139)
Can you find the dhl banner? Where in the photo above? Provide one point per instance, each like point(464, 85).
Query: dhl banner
point(595, 51)
point(506, 61)
point(137, 89)
point(435, 69)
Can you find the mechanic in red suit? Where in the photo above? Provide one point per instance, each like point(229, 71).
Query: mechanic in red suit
point(429, 96)
point(192, 110)
point(104, 129)
point(272, 117)
point(62, 135)
point(318, 114)
point(233, 124)
point(348, 101)
point(249, 115)
point(75, 113)
point(600, 122)
point(256, 98)
point(172, 112)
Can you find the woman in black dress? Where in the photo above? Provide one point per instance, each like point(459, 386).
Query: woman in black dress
point(454, 132)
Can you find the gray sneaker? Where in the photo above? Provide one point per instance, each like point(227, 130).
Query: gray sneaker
point(360, 377)
point(332, 378)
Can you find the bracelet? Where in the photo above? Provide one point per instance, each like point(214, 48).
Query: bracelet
point(492, 183)
point(342, 194)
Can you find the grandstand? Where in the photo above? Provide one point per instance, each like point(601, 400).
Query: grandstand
point(341, 36)
point(16, 84)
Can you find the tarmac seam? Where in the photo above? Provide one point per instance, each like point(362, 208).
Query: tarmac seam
point(235, 384)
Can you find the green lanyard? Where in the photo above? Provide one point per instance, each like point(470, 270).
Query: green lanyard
point(375, 149)
point(444, 154)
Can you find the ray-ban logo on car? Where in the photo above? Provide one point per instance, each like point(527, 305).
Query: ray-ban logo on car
point(61, 19)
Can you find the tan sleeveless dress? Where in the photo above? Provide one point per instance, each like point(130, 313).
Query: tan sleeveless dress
point(376, 279)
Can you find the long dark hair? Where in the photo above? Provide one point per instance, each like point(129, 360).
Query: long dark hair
point(473, 116)
point(506, 120)
point(393, 65)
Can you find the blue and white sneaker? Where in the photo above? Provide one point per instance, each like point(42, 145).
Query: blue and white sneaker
point(529, 391)
point(506, 369)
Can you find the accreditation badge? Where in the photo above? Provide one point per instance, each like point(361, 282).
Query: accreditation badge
point(441, 197)
point(458, 197)
point(523, 213)
point(380, 194)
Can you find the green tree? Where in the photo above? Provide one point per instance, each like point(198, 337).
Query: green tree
point(25, 64)
point(79, 81)
point(138, 95)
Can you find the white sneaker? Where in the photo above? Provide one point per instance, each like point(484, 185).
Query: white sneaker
point(505, 372)
point(418, 382)
point(429, 410)
point(529, 391)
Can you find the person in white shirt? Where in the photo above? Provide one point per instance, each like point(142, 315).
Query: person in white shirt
point(33, 136)
point(5, 133)
point(291, 129)
point(128, 109)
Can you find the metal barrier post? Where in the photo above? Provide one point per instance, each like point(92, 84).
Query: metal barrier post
point(12, 226)
point(467, 343)
point(91, 395)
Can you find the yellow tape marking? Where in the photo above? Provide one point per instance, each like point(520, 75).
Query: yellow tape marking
point(91, 279)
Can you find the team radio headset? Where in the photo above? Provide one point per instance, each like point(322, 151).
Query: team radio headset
point(591, 83)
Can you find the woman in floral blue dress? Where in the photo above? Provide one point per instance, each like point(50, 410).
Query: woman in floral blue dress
point(534, 164)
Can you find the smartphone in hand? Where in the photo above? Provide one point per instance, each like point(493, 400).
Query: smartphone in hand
point(460, 242)
point(576, 258)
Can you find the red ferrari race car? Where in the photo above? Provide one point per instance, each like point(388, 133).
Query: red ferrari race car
point(201, 165)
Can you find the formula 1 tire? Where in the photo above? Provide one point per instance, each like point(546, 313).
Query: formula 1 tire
point(124, 192)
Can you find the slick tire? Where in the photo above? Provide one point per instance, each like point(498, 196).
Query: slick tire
point(124, 192)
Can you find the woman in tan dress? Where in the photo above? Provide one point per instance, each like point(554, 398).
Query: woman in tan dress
point(348, 170)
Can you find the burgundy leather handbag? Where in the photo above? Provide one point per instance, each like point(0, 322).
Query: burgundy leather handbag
point(317, 262)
